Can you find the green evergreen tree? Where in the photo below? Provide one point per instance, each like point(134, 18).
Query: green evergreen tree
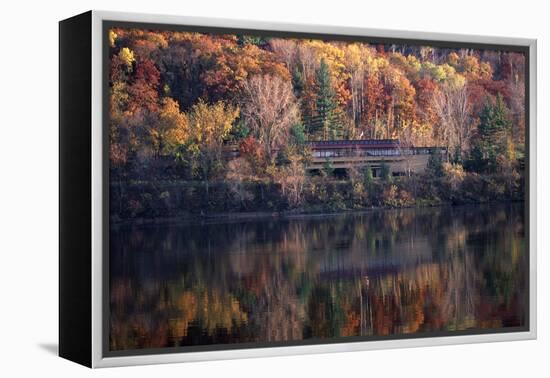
point(325, 122)
point(435, 164)
point(298, 83)
point(457, 157)
point(493, 129)
point(385, 172)
point(282, 157)
point(368, 177)
point(475, 161)
point(298, 133)
point(239, 131)
point(252, 40)
point(494, 119)
point(328, 169)
point(300, 88)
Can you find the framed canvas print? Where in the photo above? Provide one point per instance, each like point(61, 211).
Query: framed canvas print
point(236, 189)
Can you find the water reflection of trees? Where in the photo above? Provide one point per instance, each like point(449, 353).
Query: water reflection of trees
point(381, 273)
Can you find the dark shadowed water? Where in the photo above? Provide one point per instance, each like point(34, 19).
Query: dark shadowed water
point(381, 273)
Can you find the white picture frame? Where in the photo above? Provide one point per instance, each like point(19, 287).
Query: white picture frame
point(98, 358)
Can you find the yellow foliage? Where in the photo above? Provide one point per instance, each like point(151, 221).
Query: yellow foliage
point(414, 63)
point(453, 78)
point(333, 55)
point(378, 63)
point(449, 70)
point(475, 69)
point(485, 71)
point(356, 55)
point(511, 149)
point(456, 81)
point(454, 174)
point(453, 58)
point(112, 38)
point(173, 123)
point(335, 59)
point(434, 71)
point(119, 98)
point(127, 56)
point(471, 65)
point(211, 123)
point(214, 308)
point(170, 128)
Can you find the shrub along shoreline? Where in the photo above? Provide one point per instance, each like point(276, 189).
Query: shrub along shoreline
point(142, 202)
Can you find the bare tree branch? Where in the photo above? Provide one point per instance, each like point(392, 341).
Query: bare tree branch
point(270, 110)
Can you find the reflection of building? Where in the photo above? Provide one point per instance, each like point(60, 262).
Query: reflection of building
point(382, 259)
point(374, 152)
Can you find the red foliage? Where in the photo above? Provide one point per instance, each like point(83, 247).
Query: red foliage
point(235, 64)
point(117, 71)
point(425, 89)
point(374, 93)
point(144, 90)
point(250, 149)
point(482, 91)
point(147, 72)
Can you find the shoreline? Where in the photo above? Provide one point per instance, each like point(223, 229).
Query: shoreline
point(289, 214)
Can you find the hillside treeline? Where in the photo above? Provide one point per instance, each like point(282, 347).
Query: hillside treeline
point(178, 98)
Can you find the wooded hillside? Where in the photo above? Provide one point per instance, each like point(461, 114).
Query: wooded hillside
point(180, 97)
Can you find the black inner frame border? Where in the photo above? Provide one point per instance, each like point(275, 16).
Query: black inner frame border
point(105, 321)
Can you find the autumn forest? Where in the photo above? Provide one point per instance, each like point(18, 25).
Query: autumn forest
point(287, 191)
point(209, 123)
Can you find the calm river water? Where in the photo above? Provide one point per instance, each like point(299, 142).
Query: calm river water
point(379, 273)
